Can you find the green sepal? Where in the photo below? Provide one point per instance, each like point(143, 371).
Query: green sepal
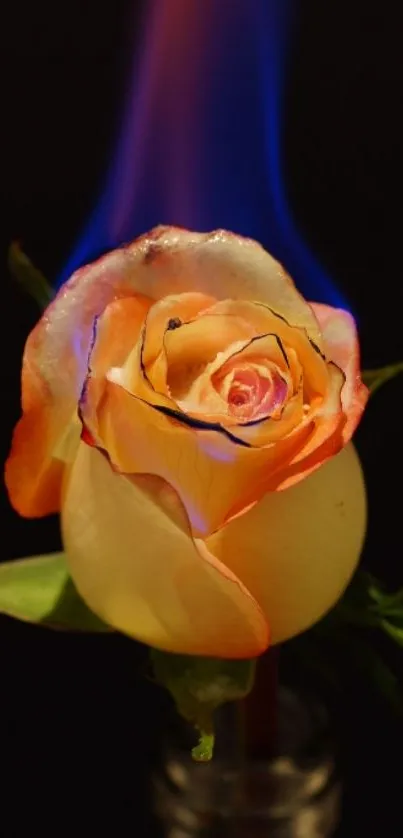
point(28, 276)
point(40, 590)
point(376, 378)
point(199, 686)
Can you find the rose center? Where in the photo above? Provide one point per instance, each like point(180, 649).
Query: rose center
point(249, 393)
point(238, 397)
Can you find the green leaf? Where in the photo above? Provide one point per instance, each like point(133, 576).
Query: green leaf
point(395, 632)
point(389, 603)
point(199, 686)
point(29, 277)
point(40, 590)
point(376, 378)
point(366, 604)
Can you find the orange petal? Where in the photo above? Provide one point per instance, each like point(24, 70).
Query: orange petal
point(296, 550)
point(149, 357)
point(271, 431)
point(203, 401)
point(214, 475)
point(194, 345)
point(45, 437)
point(33, 476)
point(326, 437)
point(181, 307)
point(53, 371)
point(265, 321)
point(341, 339)
point(132, 557)
point(117, 332)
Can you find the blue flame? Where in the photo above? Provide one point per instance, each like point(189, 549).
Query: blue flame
point(201, 138)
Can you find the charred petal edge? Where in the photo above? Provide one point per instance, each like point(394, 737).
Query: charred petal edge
point(300, 328)
point(191, 422)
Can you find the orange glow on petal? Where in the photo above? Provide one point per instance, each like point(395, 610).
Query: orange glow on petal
point(33, 477)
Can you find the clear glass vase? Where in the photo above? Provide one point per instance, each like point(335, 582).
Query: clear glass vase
point(295, 793)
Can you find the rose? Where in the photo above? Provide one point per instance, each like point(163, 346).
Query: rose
point(171, 392)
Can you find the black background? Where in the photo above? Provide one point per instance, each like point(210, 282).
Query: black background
point(80, 722)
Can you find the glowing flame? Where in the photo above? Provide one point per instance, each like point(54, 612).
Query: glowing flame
point(200, 144)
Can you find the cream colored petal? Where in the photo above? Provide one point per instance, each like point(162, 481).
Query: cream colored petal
point(297, 550)
point(169, 260)
point(136, 565)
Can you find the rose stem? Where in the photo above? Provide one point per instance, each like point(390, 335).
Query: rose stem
point(260, 709)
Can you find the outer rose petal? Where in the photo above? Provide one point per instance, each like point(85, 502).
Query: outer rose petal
point(135, 563)
point(169, 260)
point(341, 343)
point(296, 550)
point(53, 372)
point(33, 476)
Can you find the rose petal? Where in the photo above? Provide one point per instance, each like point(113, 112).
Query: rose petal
point(326, 438)
point(53, 372)
point(180, 307)
point(214, 475)
point(117, 331)
point(204, 401)
point(44, 439)
point(166, 261)
point(296, 551)
point(33, 475)
point(182, 351)
point(197, 344)
point(341, 340)
point(265, 321)
point(223, 265)
point(132, 557)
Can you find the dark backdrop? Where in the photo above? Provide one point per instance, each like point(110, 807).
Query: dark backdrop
point(80, 723)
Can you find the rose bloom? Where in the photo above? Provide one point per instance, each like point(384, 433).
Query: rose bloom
point(189, 415)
